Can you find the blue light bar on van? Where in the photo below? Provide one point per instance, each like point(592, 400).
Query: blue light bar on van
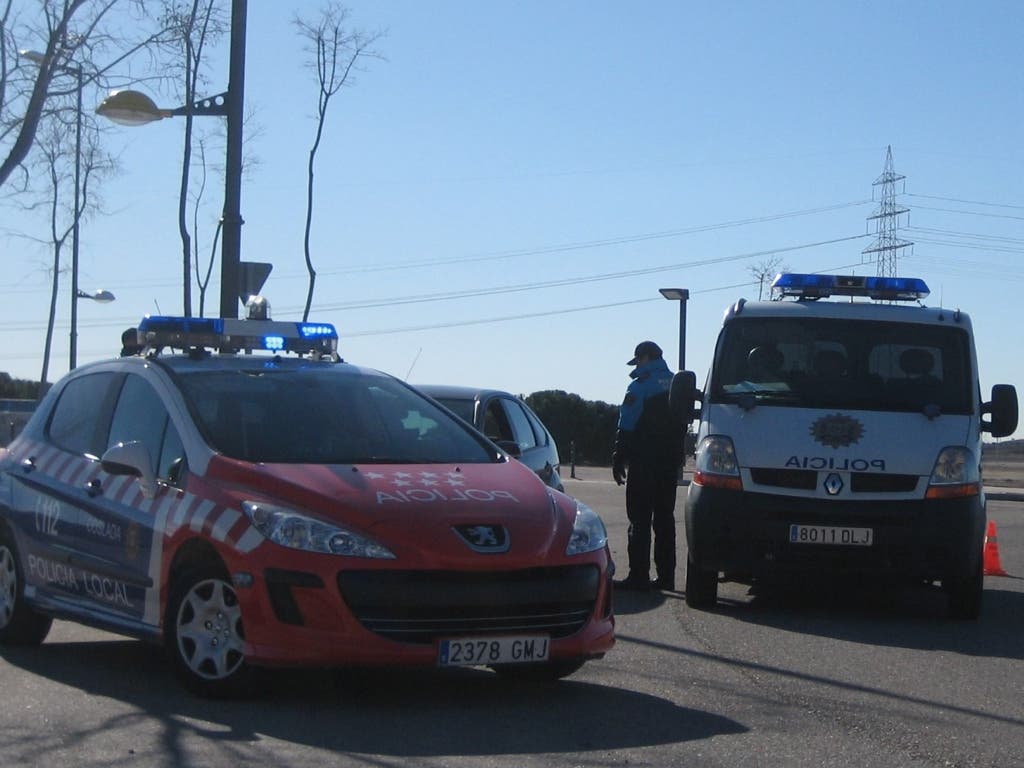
point(234, 335)
point(805, 286)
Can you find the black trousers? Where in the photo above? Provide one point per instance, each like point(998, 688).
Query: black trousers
point(650, 505)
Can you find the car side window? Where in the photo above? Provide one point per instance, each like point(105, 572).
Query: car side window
point(539, 431)
point(520, 425)
point(82, 414)
point(140, 415)
point(496, 422)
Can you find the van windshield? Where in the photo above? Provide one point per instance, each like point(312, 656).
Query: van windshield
point(822, 363)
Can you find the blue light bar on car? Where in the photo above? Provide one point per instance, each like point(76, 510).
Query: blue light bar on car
point(235, 335)
point(805, 286)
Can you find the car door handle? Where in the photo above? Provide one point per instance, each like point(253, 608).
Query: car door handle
point(94, 488)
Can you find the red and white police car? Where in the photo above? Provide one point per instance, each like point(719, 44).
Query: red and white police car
point(254, 501)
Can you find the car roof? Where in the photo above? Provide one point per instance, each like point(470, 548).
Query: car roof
point(457, 392)
point(216, 362)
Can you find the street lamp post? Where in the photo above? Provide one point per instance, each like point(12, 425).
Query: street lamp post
point(133, 108)
point(681, 295)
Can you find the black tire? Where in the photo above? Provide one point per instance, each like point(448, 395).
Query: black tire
point(701, 586)
point(548, 671)
point(965, 595)
point(204, 633)
point(19, 624)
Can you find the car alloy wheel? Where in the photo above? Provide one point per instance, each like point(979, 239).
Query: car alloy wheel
point(207, 638)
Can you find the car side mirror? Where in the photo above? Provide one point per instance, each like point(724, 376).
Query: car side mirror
point(682, 395)
point(1003, 408)
point(131, 459)
point(511, 447)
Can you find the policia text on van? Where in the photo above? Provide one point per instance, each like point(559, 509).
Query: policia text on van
point(841, 436)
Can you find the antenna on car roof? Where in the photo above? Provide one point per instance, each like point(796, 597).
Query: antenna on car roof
point(413, 363)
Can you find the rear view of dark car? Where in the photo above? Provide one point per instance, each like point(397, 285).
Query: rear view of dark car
point(507, 421)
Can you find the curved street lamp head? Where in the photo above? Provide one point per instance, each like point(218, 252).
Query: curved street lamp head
point(101, 296)
point(131, 108)
point(34, 56)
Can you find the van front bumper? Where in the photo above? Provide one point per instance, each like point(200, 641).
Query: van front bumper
point(746, 534)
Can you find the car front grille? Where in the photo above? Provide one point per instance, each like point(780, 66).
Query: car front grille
point(421, 606)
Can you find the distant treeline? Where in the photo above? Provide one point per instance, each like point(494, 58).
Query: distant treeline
point(18, 389)
point(589, 424)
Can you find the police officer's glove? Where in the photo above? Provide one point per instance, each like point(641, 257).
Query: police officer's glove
point(619, 469)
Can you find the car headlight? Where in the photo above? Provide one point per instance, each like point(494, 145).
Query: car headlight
point(290, 529)
point(588, 532)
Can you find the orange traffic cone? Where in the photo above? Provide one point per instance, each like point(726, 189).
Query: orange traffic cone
point(991, 563)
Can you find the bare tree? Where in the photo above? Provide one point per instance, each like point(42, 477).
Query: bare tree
point(195, 24)
point(55, 160)
point(69, 35)
point(764, 271)
point(335, 52)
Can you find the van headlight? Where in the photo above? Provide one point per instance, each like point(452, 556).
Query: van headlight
point(716, 465)
point(956, 474)
point(588, 532)
point(297, 531)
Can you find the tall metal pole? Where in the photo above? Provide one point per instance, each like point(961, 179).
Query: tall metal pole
point(231, 238)
point(73, 347)
point(682, 332)
point(681, 295)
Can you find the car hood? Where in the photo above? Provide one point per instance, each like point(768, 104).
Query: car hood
point(422, 512)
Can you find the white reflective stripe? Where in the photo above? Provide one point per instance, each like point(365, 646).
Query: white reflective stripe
point(249, 540)
point(227, 519)
point(116, 485)
point(151, 613)
point(200, 515)
point(180, 512)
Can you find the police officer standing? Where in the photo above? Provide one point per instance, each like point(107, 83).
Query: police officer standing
point(646, 457)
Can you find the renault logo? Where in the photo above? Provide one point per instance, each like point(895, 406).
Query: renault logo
point(833, 484)
point(491, 539)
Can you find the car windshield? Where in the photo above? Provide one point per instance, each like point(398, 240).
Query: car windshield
point(819, 363)
point(326, 415)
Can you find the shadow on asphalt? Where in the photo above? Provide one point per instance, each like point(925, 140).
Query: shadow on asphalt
point(402, 713)
point(882, 614)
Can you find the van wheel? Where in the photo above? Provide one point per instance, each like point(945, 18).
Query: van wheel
point(965, 595)
point(19, 624)
point(701, 586)
point(204, 633)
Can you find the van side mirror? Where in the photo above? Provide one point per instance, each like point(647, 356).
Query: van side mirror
point(1003, 408)
point(682, 395)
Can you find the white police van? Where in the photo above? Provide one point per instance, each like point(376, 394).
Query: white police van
point(841, 437)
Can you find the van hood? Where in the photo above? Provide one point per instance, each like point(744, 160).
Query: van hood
point(841, 440)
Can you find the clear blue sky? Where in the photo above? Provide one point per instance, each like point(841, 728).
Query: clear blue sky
point(565, 160)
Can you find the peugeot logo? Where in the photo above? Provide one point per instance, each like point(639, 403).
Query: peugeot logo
point(489, 539)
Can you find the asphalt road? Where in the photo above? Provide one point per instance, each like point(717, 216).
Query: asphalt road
point(833, 677)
